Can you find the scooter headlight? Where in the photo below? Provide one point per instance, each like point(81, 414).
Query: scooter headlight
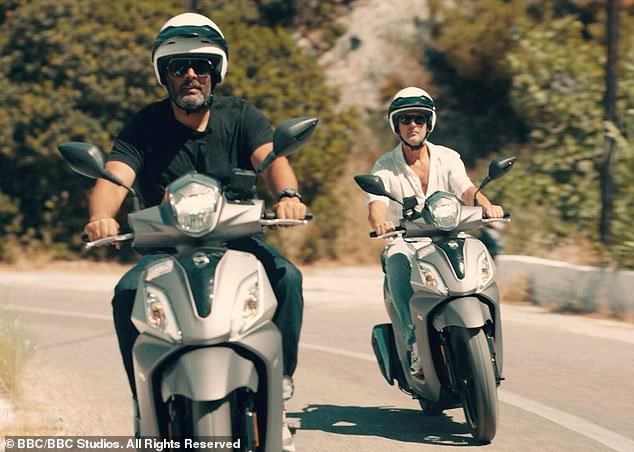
point(159, 314)
point(195, 205)
point(249, 307)
point(443, 210)
point(485, 270)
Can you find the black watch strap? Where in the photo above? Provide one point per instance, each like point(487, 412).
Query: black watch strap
point(289, 193)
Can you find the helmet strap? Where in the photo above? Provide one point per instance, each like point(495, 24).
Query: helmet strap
point(415, 147)
point(418, 146)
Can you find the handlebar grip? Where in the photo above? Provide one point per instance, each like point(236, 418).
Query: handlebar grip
point(271, 216)
point(507, 215)
point(396, 232)
point(122, 231)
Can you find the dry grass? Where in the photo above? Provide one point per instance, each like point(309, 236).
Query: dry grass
point(16, 347)
point(516, 290)
point(353, 244)
point(25, 426)
point(574, 250)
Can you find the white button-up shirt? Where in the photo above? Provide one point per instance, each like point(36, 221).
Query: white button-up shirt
point(446, 173)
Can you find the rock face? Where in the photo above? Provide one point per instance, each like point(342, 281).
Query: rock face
point(379, 40)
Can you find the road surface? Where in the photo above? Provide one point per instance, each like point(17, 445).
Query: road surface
point(569, 380)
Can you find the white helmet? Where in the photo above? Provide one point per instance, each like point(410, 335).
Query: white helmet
point(193, 35)
point(411, 99)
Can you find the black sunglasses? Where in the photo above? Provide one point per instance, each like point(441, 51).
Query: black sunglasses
point(178, 67)
point(418, 119)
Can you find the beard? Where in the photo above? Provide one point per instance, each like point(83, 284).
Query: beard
point(191, 102)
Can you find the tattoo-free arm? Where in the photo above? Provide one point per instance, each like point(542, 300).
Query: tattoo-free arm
point(278, 176)
point(105, 201)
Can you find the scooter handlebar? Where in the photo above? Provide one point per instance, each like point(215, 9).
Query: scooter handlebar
point(270, 219)
point(387, 235)
point(105, 240)
point(505, 219)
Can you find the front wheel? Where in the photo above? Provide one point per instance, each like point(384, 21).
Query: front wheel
point(212, 419)
point(230, 424)
point(476, 378)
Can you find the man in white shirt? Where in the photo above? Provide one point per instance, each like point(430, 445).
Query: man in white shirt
point(415, 167)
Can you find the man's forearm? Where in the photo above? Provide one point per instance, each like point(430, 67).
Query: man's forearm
point(480, 199)
point(279, 176)
point(376, 213)
point(105, 200)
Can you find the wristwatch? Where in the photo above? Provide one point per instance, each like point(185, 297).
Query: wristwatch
point(289, 193)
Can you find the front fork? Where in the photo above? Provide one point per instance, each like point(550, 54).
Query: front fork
point(448, 352)
point(498, 376)
point(244, 418)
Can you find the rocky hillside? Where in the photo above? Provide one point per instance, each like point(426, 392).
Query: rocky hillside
point(379, 41)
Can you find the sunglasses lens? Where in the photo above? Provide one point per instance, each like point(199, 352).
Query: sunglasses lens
point(418, 119)
point(178, 67)
point(201, 67)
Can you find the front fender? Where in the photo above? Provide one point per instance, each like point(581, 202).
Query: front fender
point(466, 312)
point(209, 373)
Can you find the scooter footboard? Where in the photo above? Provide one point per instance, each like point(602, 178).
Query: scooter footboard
point(467, 312)
point(386, 354)
point(195, 375)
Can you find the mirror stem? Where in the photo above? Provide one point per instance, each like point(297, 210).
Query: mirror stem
point(135, 199)
point(475, 195)
point(266, 162)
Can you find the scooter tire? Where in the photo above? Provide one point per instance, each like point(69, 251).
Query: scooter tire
point(430, 408)
point(212, 420)
point(227, 420)
point(480, 399)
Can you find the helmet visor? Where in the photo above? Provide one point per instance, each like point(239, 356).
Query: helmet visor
point(192, 31)
point(412, 102)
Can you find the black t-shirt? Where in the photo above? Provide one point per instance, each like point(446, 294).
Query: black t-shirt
point(160, 149)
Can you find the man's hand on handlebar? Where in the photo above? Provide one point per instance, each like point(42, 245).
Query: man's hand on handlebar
point(102, 227)
point(290, 209)
point(493, 211)
point(383, 227)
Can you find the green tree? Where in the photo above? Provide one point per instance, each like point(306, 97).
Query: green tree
point(531, 74)
point(70, 78)
point(558, 85)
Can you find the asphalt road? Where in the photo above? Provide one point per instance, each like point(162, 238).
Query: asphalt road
point(569, 380)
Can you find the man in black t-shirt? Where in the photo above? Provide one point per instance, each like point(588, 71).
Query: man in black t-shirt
point(194, 130)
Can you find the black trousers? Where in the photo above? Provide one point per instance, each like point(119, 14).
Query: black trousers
point(286, 281)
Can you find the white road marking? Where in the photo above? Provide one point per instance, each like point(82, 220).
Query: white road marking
point(566, 420)
point(56, 312)
point(574, 423)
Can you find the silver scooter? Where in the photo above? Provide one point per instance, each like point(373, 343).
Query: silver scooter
point(454, 308)
point(208, 360)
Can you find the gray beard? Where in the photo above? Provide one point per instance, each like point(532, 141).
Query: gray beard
point(191, 105)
